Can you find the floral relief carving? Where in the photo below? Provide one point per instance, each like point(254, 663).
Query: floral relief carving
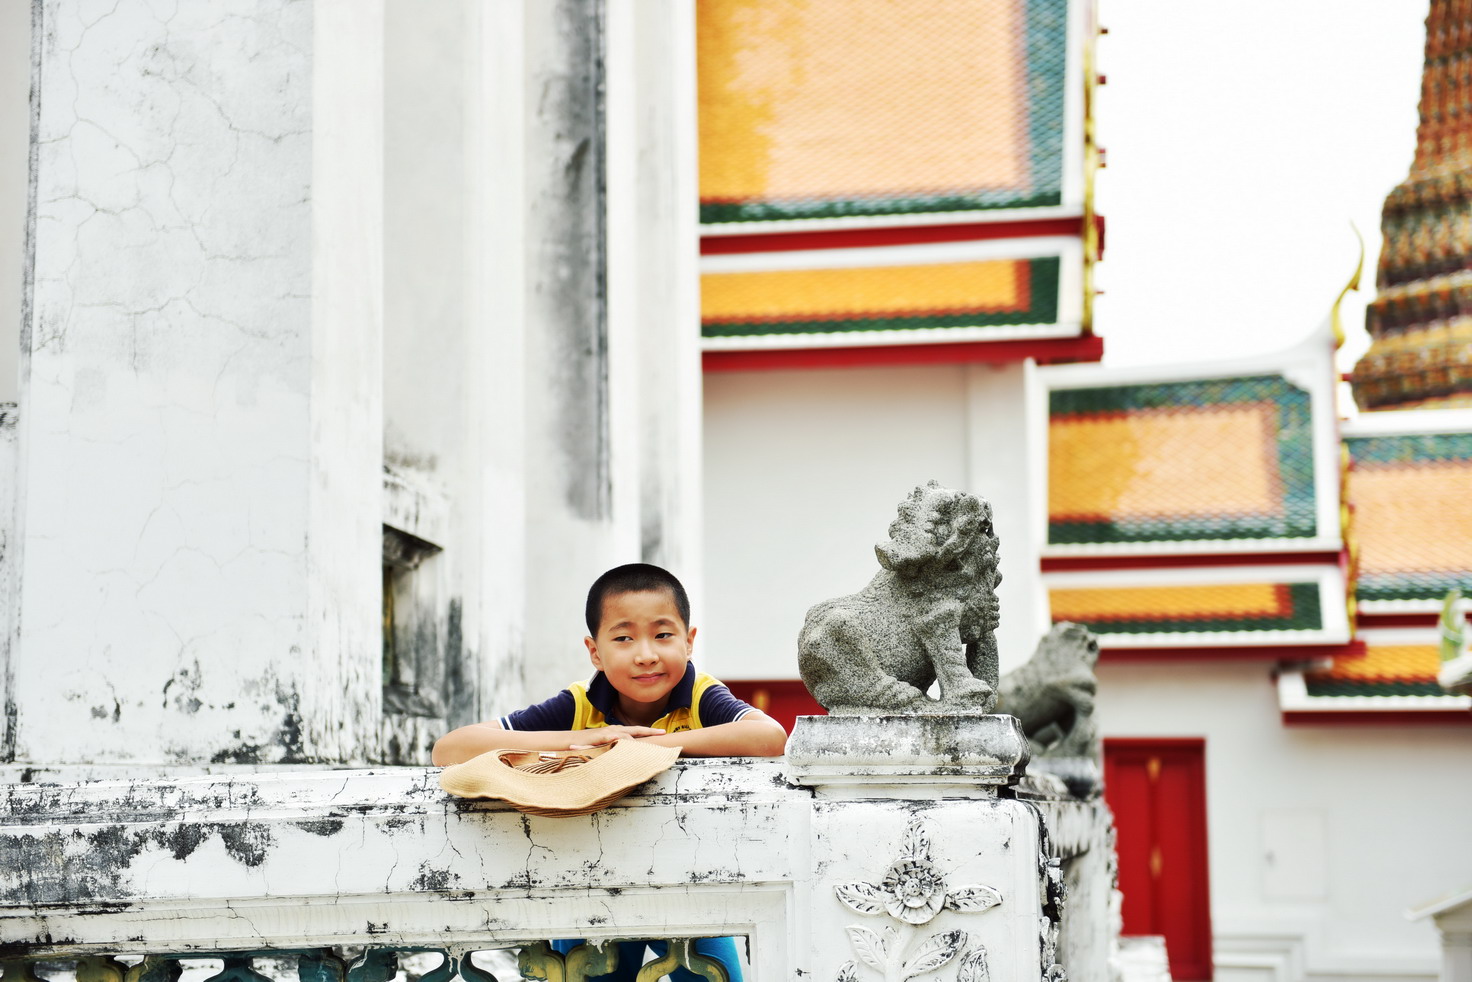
point(912, 893)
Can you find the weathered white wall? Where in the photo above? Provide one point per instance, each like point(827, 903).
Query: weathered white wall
point(1388, 799)
point(15, 140)
point(199, 461)
point(434, 405)
point(424, 380)
point(224, 230)
point(803, 473)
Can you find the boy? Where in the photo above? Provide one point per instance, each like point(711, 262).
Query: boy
point(645, 688)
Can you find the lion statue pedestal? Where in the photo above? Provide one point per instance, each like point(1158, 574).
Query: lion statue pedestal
point(945, 776)
point(928, 619)
point(951, 756)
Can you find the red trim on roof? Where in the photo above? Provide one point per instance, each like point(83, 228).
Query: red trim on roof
point(1426, 619)
point(1061, 564)
point(1290, 652)
point(714, 245)
point(1044, 350)
point(1392, 717)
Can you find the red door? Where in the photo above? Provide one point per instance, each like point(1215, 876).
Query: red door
point(1157, 790)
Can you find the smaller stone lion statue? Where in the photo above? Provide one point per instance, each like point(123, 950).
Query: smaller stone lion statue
point(1052, 695)
point(930, 614)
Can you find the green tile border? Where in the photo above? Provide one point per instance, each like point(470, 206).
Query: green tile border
point(1410, 449)
point(1305, 615)
point(1412, 586)
point(1372, 687)
point(1043, 278)
point(1046, 45)
point(1295, 459)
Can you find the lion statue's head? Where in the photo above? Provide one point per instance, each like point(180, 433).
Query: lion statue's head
point(942, 540)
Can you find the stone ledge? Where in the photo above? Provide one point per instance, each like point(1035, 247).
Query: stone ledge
point(110, 860)
point(960, 755)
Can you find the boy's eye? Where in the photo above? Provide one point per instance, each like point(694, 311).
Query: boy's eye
point(623, 637)
point(665, 634)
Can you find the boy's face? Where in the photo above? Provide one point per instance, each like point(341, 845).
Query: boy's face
point(642, 646)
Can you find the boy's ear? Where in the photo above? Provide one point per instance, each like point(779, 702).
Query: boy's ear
point(689, 640)
point(593, 653)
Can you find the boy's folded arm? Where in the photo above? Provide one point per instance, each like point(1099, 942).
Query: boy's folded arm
point(459, 745)
point(465, 742)
point(754, 735)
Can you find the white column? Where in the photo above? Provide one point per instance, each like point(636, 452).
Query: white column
point(612, 344)
point(342, 680)
point(577, 520)
point(15, 129)
point(654, 287)
point(201, 440)
point(496, 309)
point(1456, 954)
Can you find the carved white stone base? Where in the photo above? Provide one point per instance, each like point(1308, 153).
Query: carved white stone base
point(903, 888)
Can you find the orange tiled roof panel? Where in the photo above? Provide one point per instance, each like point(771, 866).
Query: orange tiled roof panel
point(868, 291)
point(1181, 461)
point(796, 97)
point(1412, 514)
point(1412, 518)
point(1383, 662)
point(1202, 609)
point(1165, 462)
point(879, 107)
point(1168, 602)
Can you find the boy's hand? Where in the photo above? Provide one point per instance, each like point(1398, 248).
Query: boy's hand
point(612, 734)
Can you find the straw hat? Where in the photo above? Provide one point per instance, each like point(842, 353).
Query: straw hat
point(558, 782)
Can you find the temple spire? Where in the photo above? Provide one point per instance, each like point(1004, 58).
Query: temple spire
point(1420, 322)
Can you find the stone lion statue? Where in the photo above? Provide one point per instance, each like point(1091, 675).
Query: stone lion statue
point(1053, 694)
point(930, 614)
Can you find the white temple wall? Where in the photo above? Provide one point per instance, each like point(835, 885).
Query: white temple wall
point(221, 366)
point(15, 133)
point(443, 670)
point(1388, 800)
point(803, 472)
point(425, 240)
point(198, 491)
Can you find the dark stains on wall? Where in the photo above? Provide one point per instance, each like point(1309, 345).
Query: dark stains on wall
point(246, 842)
point(286, 744)
point(570, 299)
point(320, 826)
point(432, 880)
point(460, 689)
point(289, 737)
point(245, 753)
point(184, 840)
point(90, 863)
point(7, 732)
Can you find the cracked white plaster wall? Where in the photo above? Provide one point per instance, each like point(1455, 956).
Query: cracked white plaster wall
point(166, 433)
point(15, 131)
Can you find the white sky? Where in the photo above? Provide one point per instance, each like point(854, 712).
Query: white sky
point(1242, 140)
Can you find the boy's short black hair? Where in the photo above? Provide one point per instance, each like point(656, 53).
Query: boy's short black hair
point(633, 578)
